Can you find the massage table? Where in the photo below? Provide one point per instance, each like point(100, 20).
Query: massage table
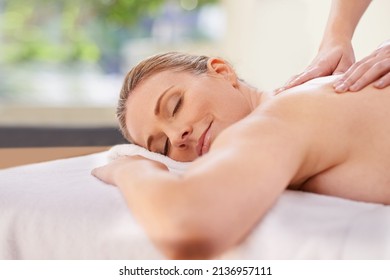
point(56, 209)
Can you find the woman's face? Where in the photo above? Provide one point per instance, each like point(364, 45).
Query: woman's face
point(180, 114)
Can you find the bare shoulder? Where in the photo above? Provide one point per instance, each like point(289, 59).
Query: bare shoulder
point(278, 118)
point(275, 138)
point(308, 119)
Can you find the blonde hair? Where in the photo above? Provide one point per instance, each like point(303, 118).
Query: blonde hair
point(176, 61)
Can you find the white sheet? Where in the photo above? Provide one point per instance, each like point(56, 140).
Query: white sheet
point(57, 210)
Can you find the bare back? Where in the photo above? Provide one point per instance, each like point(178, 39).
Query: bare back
point(351, 150)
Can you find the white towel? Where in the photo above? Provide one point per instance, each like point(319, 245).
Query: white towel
point(132, 150)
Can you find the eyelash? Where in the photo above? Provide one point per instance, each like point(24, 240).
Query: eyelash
point(175, 110)
point(166, 147)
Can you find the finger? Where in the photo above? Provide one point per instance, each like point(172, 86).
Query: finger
point(309, 74)
point(383, 82)
point(341, 79)
point(293, 78)
point(279, 90)
point(340, 82)
point(94, 171)
point(283, 88)
point(374, 72)
point(354, 73)
point(349, 72)
point(343, 66)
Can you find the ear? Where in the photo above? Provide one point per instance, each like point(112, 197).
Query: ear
point(222, 68)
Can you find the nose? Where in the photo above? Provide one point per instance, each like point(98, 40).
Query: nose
point(179, 138)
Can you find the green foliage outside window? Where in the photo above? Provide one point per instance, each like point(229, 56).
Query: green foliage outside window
point(70, 30)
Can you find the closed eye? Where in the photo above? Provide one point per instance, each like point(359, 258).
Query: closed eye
point(177, 107)
point(167, 142)
point(166, 147)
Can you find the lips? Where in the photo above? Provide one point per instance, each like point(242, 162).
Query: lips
point(204, 142)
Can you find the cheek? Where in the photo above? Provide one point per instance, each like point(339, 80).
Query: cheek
point(195, 108)
point(224, 103)
point(232, 109)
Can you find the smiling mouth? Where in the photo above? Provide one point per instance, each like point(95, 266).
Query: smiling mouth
point(204, 142)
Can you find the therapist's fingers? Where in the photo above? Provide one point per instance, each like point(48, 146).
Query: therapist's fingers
point(278, 90)
point(340, 83)
point(364, 73)
point(383, 82)
point(374, 73)
point(308, 74)
point(332, 59)
point(373, 67)
point(344, 64)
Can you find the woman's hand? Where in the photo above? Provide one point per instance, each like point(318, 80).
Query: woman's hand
point(373, 68)
point(131, 165)
point(334, 57)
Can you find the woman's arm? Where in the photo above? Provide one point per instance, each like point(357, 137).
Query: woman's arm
point(223, 194)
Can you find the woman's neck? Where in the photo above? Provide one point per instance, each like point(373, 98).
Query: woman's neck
point(254, 96)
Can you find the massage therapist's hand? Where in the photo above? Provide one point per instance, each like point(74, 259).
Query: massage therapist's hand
point(334, 57)
point(135, 167)
point(374, 68)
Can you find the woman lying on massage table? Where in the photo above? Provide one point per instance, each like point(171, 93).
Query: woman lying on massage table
point(247, 146)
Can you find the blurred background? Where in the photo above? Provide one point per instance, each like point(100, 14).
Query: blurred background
point(62, 61)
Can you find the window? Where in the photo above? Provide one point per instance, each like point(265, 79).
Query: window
point(62, 62)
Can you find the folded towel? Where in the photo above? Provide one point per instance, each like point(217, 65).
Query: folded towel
point(133, 150)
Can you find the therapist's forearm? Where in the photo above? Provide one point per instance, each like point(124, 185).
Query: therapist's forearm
point(344, 17)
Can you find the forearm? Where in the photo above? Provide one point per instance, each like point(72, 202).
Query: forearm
point(150, 193)
point(343, 18)
point(169, 208)
point(197, 215)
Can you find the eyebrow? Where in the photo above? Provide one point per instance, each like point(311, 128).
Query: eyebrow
point(158, 103)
